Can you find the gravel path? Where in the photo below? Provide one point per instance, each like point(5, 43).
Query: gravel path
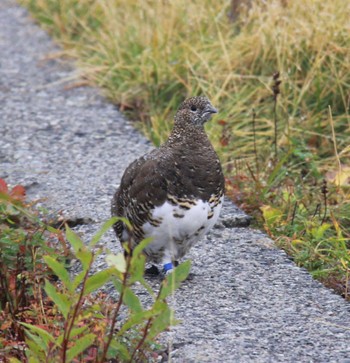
point(247, 302)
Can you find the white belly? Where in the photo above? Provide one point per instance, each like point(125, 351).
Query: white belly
point(179, 228)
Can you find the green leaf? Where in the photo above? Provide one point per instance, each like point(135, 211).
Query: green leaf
point(34, 360)
point(14, 360)
point(97, 280)
point(74, 332)
point(173, 280)
point(161, 323)
point(52, 229)
point(61, 301)
point(137, 268)
point(117, 349)
point(80, 345)
point(77, 331)
point(138, 262)
point(118, 285)
point(132, 301)
point(36, 352)
point(81, 252)
point(44, 335)
point(136, 319)
point(74, 240)
point(59, 269)
point(37, 344)
point(141, 246)
point(318, 232)
point(117, 261)
point(106, 226)
point(159, 306)
point(78, 279)
point(85, 256)
point(272, 216)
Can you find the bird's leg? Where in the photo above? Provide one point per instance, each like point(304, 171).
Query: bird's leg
point(168, 267)
point(168, 264)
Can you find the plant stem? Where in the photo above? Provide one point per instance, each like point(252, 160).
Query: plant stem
point(145, 331)
point(276, 92)
point(275, 123)
point(70, 322)
point(139, 345)
point(294, 212)
point(254, 139)
point(335, 143)
point(324, 191)
point(116, 312)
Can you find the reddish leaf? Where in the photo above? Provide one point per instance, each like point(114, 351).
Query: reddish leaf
point(222, 122)
point(224, 140)
point(5, 325)
point(22, 249)
point(18, 193)
point(12, 283)
point(3, 186)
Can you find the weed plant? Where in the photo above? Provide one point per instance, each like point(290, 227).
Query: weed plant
point(48, 314)
point(279, 74)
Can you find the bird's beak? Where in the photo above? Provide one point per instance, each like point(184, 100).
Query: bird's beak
point(211, 109)
point(208, 112)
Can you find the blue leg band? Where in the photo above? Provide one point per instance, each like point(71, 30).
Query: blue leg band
point(168, 266)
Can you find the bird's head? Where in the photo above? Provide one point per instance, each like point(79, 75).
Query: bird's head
point(196, 109)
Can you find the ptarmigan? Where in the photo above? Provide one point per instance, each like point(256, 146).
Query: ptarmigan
point(174, 193)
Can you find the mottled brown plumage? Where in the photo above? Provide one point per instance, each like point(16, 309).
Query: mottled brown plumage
point(182, 174)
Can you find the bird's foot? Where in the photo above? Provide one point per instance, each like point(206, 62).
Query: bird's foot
point(152, 271)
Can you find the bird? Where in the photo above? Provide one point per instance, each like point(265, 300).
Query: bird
point(174, 193)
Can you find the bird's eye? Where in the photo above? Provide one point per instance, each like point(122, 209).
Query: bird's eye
point(193, 108)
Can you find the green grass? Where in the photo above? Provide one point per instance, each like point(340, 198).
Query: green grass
point(148, 56)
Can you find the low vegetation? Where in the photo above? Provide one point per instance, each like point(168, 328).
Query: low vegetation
point(50, 315)
point(279, 71)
